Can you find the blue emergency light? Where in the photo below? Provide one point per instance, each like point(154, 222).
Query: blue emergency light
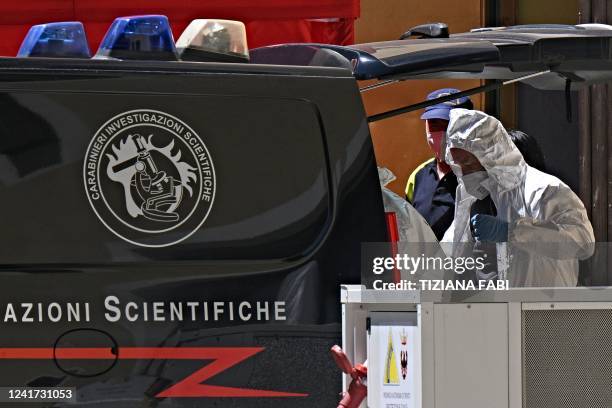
point(147, 37)
point(55, 40)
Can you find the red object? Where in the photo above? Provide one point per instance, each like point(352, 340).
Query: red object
point(218, 359)
point(357, 390)
point(393, 239)
point(267, 21)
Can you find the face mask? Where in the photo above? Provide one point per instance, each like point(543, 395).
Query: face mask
point(435, 140)
point(473, 184)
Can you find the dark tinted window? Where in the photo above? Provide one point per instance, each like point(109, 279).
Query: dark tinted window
point(271, 196)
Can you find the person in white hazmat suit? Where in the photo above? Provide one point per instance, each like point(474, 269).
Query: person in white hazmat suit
point(411, 225)
point(542, 224)
point(416, 238)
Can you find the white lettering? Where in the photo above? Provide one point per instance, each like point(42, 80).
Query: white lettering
point(113, 313)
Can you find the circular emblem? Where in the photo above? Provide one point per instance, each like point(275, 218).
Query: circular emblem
point(149, 178)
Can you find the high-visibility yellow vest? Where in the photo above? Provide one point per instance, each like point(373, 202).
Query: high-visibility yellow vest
point(412, 179)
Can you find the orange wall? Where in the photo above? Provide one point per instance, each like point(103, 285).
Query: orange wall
point(399, 142)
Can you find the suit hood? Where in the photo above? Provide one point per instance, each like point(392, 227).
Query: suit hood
point(485, 137)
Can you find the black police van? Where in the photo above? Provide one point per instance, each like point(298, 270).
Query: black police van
point(174, 233)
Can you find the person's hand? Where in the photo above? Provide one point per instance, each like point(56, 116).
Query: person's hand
point(489, 229)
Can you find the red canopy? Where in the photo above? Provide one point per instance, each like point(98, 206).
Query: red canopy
point(268, 21)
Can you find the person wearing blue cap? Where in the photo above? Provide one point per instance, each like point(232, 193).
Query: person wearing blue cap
point(431, 187)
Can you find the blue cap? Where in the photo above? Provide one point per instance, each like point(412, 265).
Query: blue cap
point(56, 40)
point(442, 110)
point(139, 37)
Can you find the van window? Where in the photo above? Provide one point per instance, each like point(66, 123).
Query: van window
point(97, 178)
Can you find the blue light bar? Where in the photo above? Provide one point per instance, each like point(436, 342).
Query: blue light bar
point(55, 40)
point(146, 37)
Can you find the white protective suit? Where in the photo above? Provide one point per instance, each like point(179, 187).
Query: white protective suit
point(411, 225)
point(416, 237)
point(548, 230)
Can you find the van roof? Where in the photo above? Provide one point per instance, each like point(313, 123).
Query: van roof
point(76, 66)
